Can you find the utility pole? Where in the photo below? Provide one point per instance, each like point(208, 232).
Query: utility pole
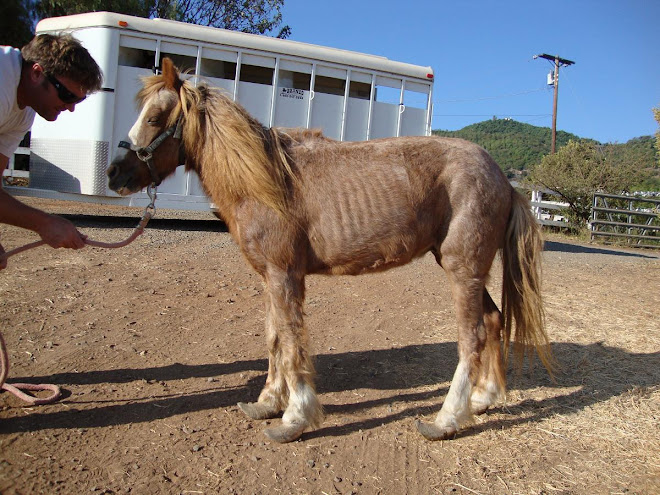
point(559, 62)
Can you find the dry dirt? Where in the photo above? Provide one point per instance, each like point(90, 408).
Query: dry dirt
point(155, 343)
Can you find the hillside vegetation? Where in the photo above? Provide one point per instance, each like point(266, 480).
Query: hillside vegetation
point(516, 146)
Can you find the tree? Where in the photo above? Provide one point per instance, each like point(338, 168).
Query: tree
point(514, 145)
point(56, 8)
point(248, 16)
point(16, 23)
point(575, 172)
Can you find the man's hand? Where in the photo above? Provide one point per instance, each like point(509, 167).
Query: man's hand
point(55, 231)
point(58, 232)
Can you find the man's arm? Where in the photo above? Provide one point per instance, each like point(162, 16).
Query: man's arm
point(55, 231)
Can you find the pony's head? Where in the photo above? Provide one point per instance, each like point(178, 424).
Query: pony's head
point(239, 156)
point(154, 146)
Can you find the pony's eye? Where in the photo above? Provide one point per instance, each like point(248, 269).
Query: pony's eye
point(152, 120)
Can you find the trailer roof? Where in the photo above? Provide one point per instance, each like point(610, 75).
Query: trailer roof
point(205, 34)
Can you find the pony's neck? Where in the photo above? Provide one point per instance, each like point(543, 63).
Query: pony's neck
point(236, 157)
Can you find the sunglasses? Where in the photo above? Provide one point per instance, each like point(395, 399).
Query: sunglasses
point(62, 92)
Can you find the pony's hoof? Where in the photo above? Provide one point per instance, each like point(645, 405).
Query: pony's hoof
point(257, 410)
point(431, 431)
point(479, 409)
point(285, 433)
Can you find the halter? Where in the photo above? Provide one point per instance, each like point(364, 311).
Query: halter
point(146, 154)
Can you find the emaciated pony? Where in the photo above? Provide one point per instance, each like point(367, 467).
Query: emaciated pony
point(298, 203)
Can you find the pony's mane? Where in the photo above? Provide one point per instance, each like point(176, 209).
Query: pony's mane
point(219, 135)
point(300, 135)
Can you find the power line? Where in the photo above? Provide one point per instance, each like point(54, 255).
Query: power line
point(484, 98)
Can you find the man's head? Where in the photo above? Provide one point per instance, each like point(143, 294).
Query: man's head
point(58, 72)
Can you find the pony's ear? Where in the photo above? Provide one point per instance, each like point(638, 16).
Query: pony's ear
point(171, 75)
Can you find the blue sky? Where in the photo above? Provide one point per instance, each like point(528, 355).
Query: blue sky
point(481, 52)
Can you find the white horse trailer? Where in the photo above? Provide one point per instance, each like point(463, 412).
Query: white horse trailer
point(350, 96)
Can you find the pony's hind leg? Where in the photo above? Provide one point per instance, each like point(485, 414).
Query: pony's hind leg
point(291, 372)
point(467, 292)
point(491, 382)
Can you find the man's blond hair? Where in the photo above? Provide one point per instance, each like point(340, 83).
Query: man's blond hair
point(63, 55)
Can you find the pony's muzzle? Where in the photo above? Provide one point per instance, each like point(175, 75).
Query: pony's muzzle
point(112, 172)
point(124, 177)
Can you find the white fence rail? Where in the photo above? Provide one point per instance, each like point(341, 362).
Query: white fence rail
point(11, 171)
point(546, 211)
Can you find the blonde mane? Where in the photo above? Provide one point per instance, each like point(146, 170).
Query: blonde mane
point(231, 151)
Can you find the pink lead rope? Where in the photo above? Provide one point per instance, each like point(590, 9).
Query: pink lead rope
point(17, 388)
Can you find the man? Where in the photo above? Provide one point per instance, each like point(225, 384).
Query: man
point(47, 76)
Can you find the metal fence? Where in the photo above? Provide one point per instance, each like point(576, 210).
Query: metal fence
point(633, 219)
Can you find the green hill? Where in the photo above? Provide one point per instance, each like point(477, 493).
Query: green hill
point(517, 146)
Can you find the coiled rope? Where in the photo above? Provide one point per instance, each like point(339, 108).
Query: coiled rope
point(17, 388)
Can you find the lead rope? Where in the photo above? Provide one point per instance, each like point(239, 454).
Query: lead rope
point(17, 388)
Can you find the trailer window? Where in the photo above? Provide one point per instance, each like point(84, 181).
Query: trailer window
point(256, 74)
point(295, 80)
point(182, 62)
point(359, 90)
point(385, 94)
point(414, 99)
point(136, 57)
point(329, 85)
point(218, 68)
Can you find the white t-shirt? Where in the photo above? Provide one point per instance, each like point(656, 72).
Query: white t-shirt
point(14, 122)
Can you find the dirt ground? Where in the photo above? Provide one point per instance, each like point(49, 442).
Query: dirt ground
point(155, 343)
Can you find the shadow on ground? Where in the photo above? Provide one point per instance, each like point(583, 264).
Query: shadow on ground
point(156, 223)
point(587, 377)
point(565, 247)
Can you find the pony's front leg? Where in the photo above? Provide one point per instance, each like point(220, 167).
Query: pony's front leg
point(291, 370)
point(456, 411)
point(274, 396)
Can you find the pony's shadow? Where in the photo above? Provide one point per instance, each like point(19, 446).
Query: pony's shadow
point(585, 378)
point(565, 247)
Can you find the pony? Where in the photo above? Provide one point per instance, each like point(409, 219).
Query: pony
point(298, 203)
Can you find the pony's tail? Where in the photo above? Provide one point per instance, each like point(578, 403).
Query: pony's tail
point(521, 286)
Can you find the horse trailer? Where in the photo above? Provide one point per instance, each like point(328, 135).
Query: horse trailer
point(349, 96)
